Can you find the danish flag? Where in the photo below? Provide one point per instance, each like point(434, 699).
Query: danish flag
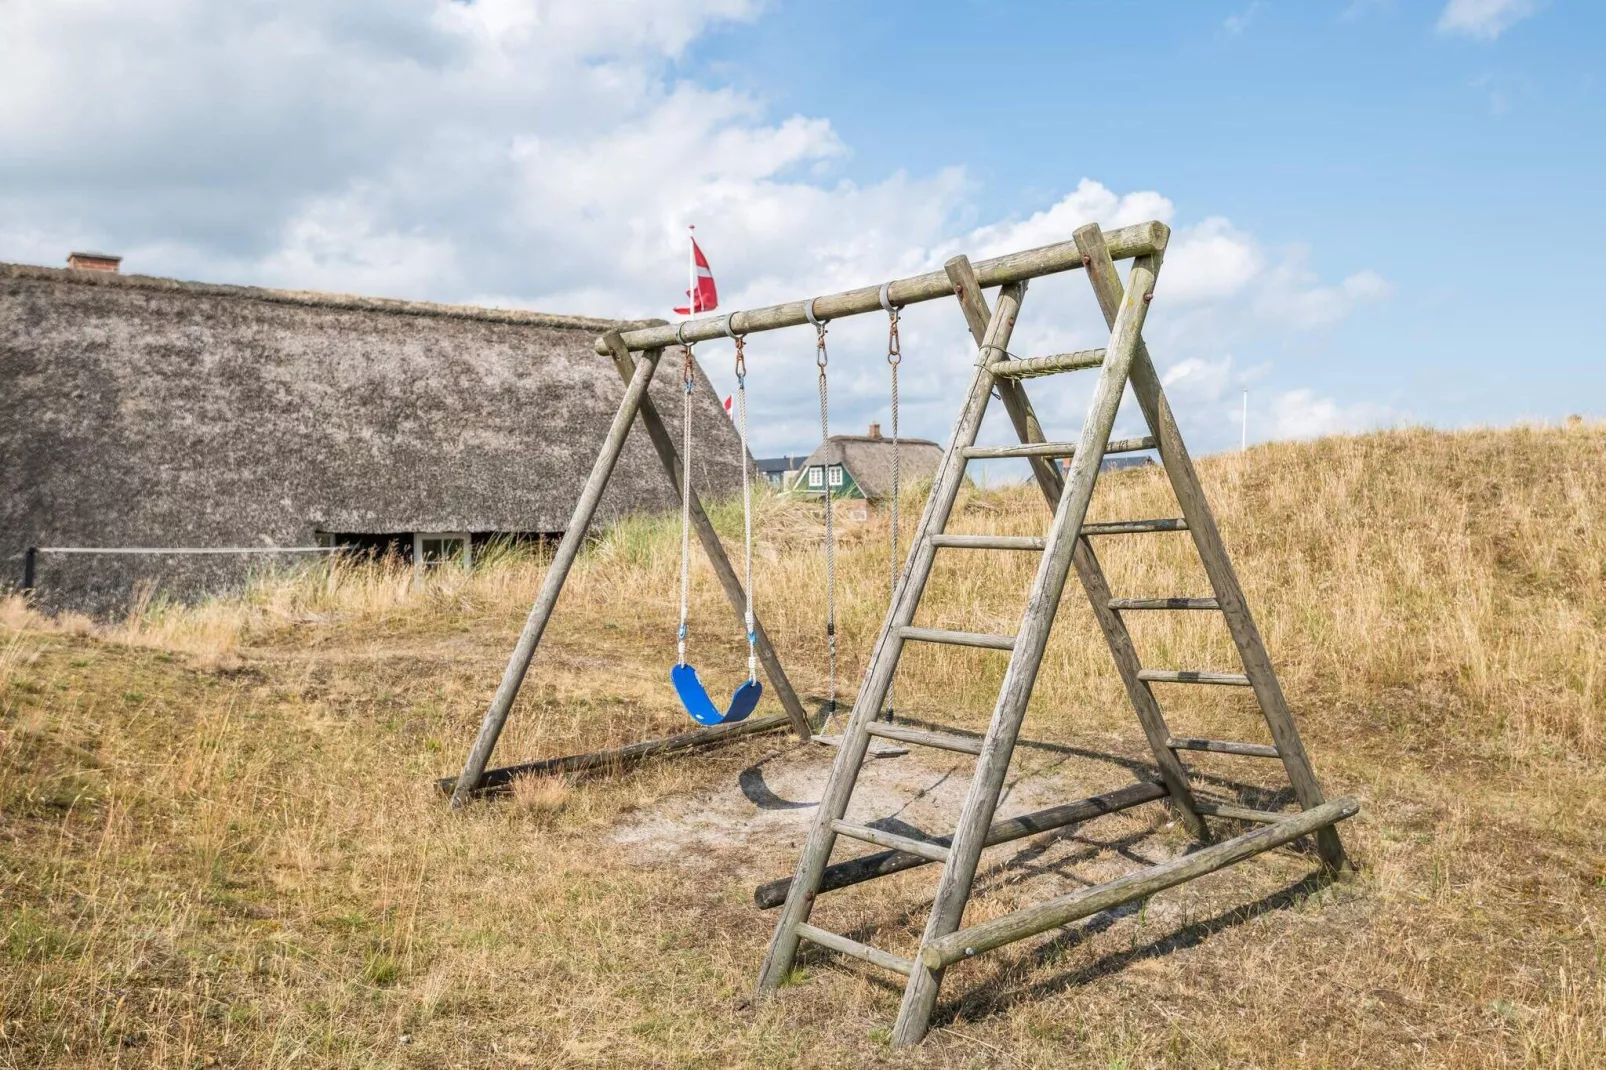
point(704, 297)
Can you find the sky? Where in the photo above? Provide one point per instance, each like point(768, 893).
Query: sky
point(1384, 213)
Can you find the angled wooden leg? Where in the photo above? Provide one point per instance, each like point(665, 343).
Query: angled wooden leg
point(664, 443)
point(953, 891)
point(1184, 479)
point(1122, 650)
point(568, 549)
point(884, 657)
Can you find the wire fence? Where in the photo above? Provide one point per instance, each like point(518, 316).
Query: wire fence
point(31, 555)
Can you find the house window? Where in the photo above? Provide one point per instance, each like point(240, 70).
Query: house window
point(836, 475)
point(431, 548)
point(816, 478)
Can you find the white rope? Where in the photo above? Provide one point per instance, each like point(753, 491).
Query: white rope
point(687, 379)
point(747, 511)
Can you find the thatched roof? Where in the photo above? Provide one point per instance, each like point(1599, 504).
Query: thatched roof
point(147, 411)
point(869, 460)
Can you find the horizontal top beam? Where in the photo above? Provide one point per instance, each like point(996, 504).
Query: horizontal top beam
point(1139, 240)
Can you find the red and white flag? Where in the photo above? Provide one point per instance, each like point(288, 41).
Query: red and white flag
point(727, 404)
point(704, 297)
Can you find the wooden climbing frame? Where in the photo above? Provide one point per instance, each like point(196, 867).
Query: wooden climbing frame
point(1067, 546)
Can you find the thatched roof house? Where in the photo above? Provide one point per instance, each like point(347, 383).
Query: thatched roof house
point(146, 412)
point(860, 466)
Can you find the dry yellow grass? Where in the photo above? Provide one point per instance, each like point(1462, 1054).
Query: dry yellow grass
point(219, 844)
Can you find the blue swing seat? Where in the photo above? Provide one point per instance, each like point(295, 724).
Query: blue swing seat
point(695, 698)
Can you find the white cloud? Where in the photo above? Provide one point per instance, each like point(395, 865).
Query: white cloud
point(539, 154)
point(1301, 413)
point(1238, 22)
point(1484, 19)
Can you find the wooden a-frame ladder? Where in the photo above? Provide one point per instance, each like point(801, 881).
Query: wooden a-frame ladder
point(1123, 361)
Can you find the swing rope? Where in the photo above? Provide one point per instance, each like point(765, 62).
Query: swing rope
point(687, 378)
point(894, 358)
point(747, 510)
point(821, 359)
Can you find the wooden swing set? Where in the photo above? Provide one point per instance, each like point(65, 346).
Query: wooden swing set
point(1066, 546)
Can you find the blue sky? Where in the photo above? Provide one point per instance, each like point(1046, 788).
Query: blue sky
point(1384, 212)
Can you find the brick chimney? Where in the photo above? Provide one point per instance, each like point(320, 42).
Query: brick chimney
point(94, 262)
point(875, 430)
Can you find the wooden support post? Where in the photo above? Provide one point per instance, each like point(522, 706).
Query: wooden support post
point(1088, 901)
point(1138, 240)
point(664, 443)
point(558, 571)
point(888, 647)
point(496, 780)
point(1122, 650)
point(882, 863)
point(953, 891)
point(1146, 387)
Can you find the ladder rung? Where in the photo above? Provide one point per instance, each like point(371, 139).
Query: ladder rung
point(1191, 676)
point(942, 635)
point(836, 942)
point(934, 851)
point(1164, 603)
point(1226, 746)
point(990, 542)
point(1134, 527)
point(1223, 746)
point(940, 740)
point(1240, 813)
point(1032, 367)
point(1054, 449)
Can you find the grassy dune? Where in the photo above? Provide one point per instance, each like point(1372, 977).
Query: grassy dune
point(219, 843)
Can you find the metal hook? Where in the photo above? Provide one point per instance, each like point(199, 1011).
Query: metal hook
point(808, 312)
point(730, 331)
point(886, 297)
point(680, 332)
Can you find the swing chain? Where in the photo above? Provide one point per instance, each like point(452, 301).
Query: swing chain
point(894, 358)
point(821, 359)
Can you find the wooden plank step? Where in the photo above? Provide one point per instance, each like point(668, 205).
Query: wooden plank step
point(1085, 902)
point(1223, 746)
point(990, 542)
point(943, 635)
point(1164, 603)
point(1054, 449)
point(1053, 364)
point(940, 740)
point(837, 942)
point(869, 867)
point(1134, 527)
point(1240, 813)
point(924, 848)
point(1191, 676)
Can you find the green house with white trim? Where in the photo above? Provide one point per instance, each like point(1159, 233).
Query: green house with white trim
point(860, 466)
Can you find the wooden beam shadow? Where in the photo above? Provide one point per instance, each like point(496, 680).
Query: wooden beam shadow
point(995, 997)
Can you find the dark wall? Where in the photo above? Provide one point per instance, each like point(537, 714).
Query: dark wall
point(140, 412)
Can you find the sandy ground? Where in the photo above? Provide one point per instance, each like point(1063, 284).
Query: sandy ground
point(750, 828)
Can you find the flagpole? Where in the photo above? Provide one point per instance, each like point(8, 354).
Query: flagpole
point(691, 271)
point(1243, 434)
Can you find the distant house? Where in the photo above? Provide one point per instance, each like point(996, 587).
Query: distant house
point(150, 413)
point(860, 466)
point(780, 472)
